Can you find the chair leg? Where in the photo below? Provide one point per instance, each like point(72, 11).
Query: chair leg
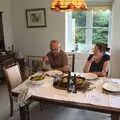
point(24, 112)
point(42, 106)
point(11, 106)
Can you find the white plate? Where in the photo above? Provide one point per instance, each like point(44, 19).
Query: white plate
point(37, 82)
point(54, 72)
point(40, 82)
point(112, 86)
point(72, 74)
point(89, 76)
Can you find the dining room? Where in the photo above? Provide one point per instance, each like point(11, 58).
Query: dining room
point(31, 41)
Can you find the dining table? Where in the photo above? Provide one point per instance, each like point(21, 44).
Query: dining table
point(96, 99)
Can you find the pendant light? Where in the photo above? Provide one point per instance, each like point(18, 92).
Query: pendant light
point(68, 5)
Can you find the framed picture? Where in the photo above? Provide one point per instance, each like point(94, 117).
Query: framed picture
point(36, 17)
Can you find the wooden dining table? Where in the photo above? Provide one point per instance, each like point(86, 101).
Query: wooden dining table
point(95, 99)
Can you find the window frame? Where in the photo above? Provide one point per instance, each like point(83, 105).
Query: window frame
point(89, 24)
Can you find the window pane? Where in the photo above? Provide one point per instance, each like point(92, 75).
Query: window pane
point(80, 18)
point(80, 35)
point(101, 18)
point(80, 39)
point(89, 28)
point(100, 35)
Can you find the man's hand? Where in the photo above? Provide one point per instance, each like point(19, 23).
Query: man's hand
point(45, 59)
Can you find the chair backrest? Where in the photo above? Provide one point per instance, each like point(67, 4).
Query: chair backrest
point(9, 62)
point(33, 62)
point(12, 75)
point(71, 61)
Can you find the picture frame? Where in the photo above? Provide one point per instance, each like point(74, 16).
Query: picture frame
point(36, 18)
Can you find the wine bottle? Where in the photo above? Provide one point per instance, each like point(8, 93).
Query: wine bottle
point(74, 84)
point(69, 82)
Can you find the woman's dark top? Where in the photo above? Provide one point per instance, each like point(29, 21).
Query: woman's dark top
point(97, 67)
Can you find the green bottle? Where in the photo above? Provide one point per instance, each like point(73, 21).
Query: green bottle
point(74, 84)
point(69, 82)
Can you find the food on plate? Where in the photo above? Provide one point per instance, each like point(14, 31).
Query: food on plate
point(81, 83)
point(79, 80)
point(37, 78)
point(64, 80)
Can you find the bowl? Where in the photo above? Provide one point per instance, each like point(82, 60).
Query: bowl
point(37, 79)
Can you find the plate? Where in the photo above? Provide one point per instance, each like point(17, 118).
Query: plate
point(72, 74)
point(112, 86)
point(54, 72)
point(81, 84)
point(37, 79)
point(38, 82)
point(89, 76)
point(79, 80)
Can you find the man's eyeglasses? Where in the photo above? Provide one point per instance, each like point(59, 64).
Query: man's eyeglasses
point(56, 49)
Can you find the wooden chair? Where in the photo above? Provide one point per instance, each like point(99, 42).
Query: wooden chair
point(9, 61)
point(13, 79)
point(32, 64)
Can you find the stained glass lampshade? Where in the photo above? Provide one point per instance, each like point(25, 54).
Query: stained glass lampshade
point(68, 5)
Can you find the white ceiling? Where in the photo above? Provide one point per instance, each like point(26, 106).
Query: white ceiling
point(99, 1)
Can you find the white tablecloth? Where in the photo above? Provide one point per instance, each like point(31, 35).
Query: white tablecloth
point(95, 96)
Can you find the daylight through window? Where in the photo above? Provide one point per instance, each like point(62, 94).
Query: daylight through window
point(85, 29)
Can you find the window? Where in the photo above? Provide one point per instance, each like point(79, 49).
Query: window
point(85, 29)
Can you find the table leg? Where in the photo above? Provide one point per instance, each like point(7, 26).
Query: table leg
point(24, 112)
point(114, 117)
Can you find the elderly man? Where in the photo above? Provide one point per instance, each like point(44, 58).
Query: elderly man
point(56, 57)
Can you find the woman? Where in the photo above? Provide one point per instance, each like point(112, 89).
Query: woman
point(98, 62)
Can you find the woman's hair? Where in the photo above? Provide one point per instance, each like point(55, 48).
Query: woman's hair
point(102, 47)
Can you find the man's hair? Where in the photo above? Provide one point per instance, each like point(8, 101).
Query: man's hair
point(55, 41)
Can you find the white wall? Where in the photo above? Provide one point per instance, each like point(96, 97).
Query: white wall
point(35, 41)
point(5, 8)
point(115, 62)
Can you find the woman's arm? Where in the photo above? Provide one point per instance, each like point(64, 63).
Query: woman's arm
point(105, 69)
point(88, 64)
